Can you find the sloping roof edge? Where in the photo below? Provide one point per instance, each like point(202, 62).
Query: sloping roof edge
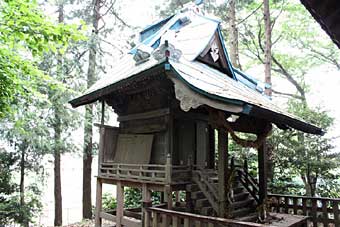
point(100, 93)
point(257, 111)
point(326, 24)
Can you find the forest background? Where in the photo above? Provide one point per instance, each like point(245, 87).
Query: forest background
point(51, 51)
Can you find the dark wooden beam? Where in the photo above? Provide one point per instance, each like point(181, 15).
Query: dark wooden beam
point(248, 124)
point(262, 166)
point(145, 115)
point(222, 171)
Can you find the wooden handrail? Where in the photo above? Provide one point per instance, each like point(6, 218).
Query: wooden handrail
point(305, 197)
point(321, 210)
point(249, 183)
point(200, 219)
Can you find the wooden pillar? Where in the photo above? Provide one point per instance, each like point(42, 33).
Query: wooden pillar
point(168, 196)
point(262, 167)
point(222, 171)
point(167, 188)
point(120, 204)
point(99, 192)
point(146, 202)
point(99, 188)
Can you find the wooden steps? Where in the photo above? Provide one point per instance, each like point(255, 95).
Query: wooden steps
point(243, 204)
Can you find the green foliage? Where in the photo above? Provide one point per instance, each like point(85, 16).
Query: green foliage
point(133, 197)
point(10, 209)
point(109, 202)
point(307, 157)
point(26, 34)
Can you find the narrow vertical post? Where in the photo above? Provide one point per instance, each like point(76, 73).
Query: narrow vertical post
point(99, 188)
point(98, 219)
point(120, 204)
point(101, 138)
point(146, 202)
point(168, 173)
point(222, 171)
point(168, 197)
point(168, 169)
point(262, 166)
point(245, 165)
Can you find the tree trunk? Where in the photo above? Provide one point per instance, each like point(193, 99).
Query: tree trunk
point(22, 186)
point(268, 46)
point(268, 76)
point(233, 32)
point(58, 215)
point(87, 156)
point(307, 188)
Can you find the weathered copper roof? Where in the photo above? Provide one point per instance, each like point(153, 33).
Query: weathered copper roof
point(327, 14)
point(188, 35)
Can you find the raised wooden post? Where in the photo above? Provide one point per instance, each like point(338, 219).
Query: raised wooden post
point(101, 139)
point(222, 172)
point(168, 169)
point(168, 173)
point(262, 166)
point(146, 202)
point(120, 204)
point(99, 191)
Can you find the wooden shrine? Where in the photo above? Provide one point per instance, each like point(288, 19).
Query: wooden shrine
point(179, 101)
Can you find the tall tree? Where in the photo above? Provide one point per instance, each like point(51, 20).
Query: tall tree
point(29, 146)
point(268, 46)
point(295, 30)
point(88, 121)
point(58, 209)
point(233, 35)
point(99, 46)
point(25, 31)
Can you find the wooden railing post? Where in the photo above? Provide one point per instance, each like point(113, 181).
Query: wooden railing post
point(167, 188)
point(245, 165)
point(146, 202)
point(335, 205)
point(168, 169)
point(101, 139)
point(188, 201)
point(323, 211)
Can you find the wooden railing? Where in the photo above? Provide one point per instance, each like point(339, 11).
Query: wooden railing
point(321, 210)
point(157, 217)
point(146, 173)
point(249, 183)
point(208, 188)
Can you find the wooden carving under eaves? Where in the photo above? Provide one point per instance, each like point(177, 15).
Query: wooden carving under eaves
point(218, 119)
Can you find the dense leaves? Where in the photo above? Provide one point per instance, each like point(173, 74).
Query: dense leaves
point(25, 34)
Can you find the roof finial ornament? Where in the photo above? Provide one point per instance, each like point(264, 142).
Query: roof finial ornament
point(167, 51)
point(195, 6)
